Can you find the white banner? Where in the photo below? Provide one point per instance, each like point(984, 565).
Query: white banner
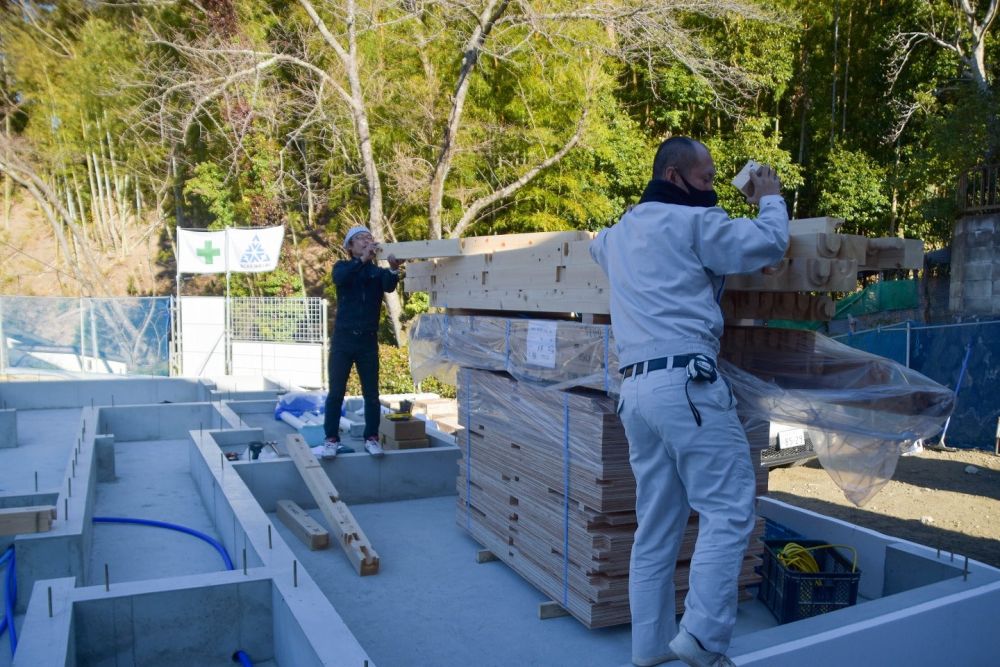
point(255, 250)
point(201, 252)
point(232, 250)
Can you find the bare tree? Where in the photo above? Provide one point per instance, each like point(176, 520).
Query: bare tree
point(961, 29)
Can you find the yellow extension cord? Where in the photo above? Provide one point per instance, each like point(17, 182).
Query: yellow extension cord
point(797, 557)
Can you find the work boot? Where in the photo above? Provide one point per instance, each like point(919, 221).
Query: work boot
point(690, 652)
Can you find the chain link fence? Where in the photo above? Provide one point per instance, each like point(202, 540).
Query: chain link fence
point(277, 319)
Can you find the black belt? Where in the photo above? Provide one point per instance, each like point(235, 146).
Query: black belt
point(677, 361)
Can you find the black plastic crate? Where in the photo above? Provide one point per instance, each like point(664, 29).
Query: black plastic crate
point(792, 595)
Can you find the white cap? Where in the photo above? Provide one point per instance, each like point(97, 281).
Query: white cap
point(354, 231)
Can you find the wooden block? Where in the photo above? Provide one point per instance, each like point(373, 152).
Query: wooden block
point(34, 519)
point(352, 539)
point(420, 249)
point(551, 609)
point(814, 225)
point(303, 526)
point(485, 556)
point(402, 429)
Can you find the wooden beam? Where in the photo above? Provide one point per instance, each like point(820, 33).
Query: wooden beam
point(825, 225)
point(894, 253)
point(800, 275)
point(347, 531)
point(420, 249)
point(34, 519)
point(303, 526)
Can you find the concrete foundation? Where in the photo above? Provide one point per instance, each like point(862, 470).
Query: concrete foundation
point(168, 602)
point(8, 428)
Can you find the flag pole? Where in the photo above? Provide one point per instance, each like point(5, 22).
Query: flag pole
point(229, 312)
point(176, 366)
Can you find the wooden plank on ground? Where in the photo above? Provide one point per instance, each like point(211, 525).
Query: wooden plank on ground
point(347, 531)
point(303, 526)
point(34, 519)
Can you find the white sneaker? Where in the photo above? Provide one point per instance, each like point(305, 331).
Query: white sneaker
point(373, 447)
point(691, 653)
point(329, 449)
point(649, 662)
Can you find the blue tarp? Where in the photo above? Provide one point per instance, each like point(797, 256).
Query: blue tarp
point(937, 351)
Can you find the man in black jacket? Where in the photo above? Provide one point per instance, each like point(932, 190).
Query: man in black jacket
point(360, 285)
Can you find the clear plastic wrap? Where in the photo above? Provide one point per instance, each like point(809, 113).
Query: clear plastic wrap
point(861, 410)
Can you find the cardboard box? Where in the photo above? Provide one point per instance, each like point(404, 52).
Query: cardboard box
point(436, 408)
point(402, 429)
point(390, 444)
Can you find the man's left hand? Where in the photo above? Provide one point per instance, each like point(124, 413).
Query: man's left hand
point(394, 263)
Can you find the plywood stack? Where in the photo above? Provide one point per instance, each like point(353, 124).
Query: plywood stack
point(545, 484)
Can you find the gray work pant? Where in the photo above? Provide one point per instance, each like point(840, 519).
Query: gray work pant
point(680, 466)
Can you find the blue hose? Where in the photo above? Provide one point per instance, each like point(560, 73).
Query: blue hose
point(10, 598)
point(171, 526)
point(243, 658)
point(3, 559)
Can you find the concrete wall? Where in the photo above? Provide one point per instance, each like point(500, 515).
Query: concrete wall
point(359, 478)
point(159, 422)
point(81, 393)
point(298, 364)
point(8, 428)
point(975, 266)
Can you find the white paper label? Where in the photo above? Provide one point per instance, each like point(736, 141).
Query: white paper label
point(795, 438)
point(541, 344)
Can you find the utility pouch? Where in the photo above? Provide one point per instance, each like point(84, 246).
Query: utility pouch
point(701, 368)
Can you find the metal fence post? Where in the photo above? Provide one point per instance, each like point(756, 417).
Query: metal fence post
point(3, 342)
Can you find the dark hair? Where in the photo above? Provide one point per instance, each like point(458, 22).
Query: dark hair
point(681, 153)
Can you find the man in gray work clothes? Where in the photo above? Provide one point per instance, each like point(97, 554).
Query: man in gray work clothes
point(666, 261)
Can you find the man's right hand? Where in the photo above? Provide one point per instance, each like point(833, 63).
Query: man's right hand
point(765, 182)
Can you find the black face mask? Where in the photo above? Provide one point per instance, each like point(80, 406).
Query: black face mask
point(666, 192)
point(704, 198)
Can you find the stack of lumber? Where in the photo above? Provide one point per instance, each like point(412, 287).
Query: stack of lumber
point(545, 485)
point(544, 482)
point(554, 273)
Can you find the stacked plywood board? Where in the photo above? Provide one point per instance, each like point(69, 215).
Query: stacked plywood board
point(545, 484)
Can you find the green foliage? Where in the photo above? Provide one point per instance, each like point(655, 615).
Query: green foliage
point(394, 375)
point(853, 187)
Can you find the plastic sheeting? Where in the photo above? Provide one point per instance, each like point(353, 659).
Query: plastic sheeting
point(298, 403)
point(861, 410)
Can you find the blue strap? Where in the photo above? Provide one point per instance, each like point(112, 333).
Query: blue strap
point(958, 386)
point(506, 340)
point(607, 339)
point(468, 450)
point(565, 600)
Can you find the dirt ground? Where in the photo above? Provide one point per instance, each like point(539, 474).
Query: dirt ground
point(932, 500)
